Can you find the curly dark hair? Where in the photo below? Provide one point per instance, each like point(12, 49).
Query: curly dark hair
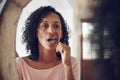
point(30, 30)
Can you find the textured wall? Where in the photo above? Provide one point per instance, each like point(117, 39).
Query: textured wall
point(8, 22)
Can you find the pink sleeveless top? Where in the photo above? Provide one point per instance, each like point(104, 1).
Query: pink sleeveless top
point(55, 73)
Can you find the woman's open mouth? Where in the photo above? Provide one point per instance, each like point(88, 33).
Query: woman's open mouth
point(52, 40)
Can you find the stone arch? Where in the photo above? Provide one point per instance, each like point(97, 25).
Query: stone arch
point(8, 23)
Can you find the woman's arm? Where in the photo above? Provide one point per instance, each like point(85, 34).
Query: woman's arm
point(66, 60)
point(68, 73)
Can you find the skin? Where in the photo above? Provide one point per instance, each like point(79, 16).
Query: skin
point(50, 27)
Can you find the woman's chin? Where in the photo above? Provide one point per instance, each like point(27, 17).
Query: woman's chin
point(51, 48)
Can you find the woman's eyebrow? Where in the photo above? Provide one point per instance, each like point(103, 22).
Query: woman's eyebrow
point(57, 22)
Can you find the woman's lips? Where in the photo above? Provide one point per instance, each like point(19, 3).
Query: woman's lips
point(52, 40)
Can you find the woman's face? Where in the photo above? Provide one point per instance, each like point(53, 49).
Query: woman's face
point(50, 31)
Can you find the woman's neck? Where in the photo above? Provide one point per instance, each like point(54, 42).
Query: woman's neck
point(47, 55)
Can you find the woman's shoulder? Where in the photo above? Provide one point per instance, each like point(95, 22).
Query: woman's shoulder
point(22, 59)
point(74, 61)
point(18, 59)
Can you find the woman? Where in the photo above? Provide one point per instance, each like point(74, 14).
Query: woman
point(46, 38)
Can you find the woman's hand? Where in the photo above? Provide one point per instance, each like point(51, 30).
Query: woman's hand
point(66, 60)
point(65, 52)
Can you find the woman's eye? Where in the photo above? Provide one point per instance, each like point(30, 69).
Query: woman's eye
point(56, 26)
point(44, 26)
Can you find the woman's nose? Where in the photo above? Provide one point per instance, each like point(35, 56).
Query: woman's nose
point(51, 30)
